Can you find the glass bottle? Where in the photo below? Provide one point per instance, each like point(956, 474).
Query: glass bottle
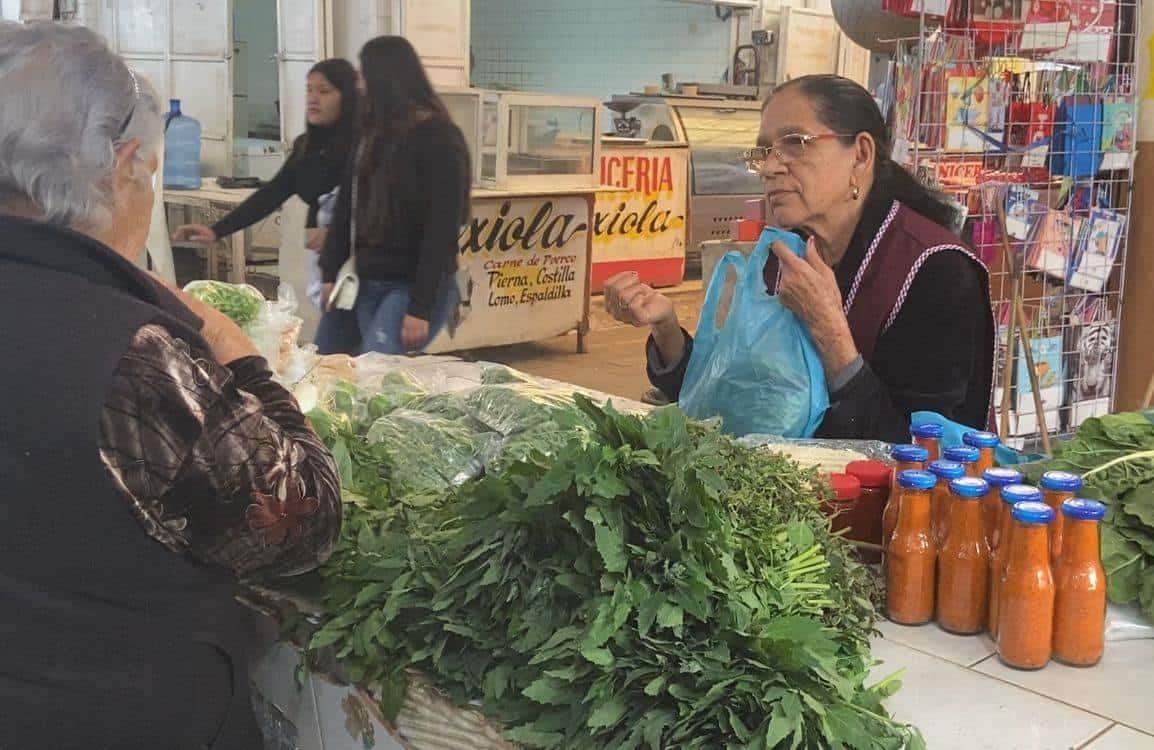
point(911, 556)
point(928, 436)
point(964, 562)
point(995, 513)
point(1008, 496)
point(875, 478)
point(986, 443)
point(966, 456)
point(1057, 488)
point(1080, 587)
point(1026, 597)
point(946, 472)
point(905, 458)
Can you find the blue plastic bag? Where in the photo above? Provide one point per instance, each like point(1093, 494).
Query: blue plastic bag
point(755, 368)
point(953, 432)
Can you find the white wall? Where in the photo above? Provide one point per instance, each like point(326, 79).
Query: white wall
point(356, 22)
point(10, 10)
point(596, 47)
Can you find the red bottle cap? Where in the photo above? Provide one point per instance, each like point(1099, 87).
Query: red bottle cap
point(870, 473)
point(845, 487)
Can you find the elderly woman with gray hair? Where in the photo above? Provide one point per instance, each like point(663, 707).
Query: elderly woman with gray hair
point(147, 457)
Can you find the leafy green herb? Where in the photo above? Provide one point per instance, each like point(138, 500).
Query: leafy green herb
point(240, 302)
point(637, 583)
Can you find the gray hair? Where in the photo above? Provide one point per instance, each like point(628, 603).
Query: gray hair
point(66, 102)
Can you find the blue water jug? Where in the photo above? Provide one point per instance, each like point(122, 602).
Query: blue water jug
point(181, 149)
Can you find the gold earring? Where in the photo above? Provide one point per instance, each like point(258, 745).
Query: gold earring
point(855, 191)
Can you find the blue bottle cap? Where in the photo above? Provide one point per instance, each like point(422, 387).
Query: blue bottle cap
point(1083, 509)
point(910, 454)
point(1061, 481)
point(1032, 512)
point(1021, 493)
point(963, 454)
point(981, 439)
point(969, 488)
point(927, 431)
point(947, 469)
point(998, 477)
point(915, 479)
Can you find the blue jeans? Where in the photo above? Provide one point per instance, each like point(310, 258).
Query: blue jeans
point(337, 333)
point(381, 308)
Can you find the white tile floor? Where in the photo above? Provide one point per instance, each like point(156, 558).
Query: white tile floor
point(960, 696)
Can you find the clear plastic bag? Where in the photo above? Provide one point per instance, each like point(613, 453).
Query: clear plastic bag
point(827, 456)
point(427, 453)
point(753, 363)
point(241, 302)
point(1126, 623)
point(515, 407)
point(275, 332)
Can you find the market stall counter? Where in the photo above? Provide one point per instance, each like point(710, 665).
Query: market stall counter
point(475, 422)
point(524, 268)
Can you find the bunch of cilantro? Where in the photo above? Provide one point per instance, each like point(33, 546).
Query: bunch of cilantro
point(645, 583)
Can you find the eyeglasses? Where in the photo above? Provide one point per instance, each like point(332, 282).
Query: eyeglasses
point(132, 110)
point(788, 148)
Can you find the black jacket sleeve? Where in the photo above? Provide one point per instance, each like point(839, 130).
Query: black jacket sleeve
point(337, 239)
point(439, 177)
point(262, 203)
point(667, 377)
point(924, 362)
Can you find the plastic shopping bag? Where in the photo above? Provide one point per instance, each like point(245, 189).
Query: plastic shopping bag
point(753, 363)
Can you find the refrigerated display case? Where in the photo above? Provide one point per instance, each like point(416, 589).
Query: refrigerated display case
point(717, 131)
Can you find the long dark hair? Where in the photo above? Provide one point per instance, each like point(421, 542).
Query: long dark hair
point(844, 106)
point(339, 136)
point(398, 96)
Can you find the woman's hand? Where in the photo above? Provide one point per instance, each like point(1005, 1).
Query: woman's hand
point(636, 304)
point(809, 288)
point(315, 239)
point(225, 339)
point(326, 297)
point(198, 233)
point(414, 333)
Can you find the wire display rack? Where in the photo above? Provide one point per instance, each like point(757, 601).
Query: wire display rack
point(1024, 112)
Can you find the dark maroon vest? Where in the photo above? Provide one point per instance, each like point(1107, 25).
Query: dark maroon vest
point(904, 242)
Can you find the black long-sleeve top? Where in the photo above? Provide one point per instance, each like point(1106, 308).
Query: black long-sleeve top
point(923, 362)
point(312, 170)
point(425, 206)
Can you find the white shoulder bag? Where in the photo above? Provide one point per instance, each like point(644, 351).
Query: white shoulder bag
point(347, 283)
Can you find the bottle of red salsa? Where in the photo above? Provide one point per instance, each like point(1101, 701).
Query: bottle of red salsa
point(995, 513)
point(1009, 496)
point(911, 555)
point(986, 443)
point(1057, 488)
point(928, 436)
point(1026, 597)
point(946, 472)
point(875, 478)
point(966, 456)
point(1080, 587)
point(964, 562)
point(906, 458)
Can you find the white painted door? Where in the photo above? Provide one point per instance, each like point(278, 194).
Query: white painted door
point(303, 39)
point(184, 49)
point(439, 29)
point(200, 44)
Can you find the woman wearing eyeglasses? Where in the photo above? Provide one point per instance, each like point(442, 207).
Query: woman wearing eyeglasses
point(897, 307)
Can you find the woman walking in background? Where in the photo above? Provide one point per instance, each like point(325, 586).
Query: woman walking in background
point(311, 172)
point(411, 197)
